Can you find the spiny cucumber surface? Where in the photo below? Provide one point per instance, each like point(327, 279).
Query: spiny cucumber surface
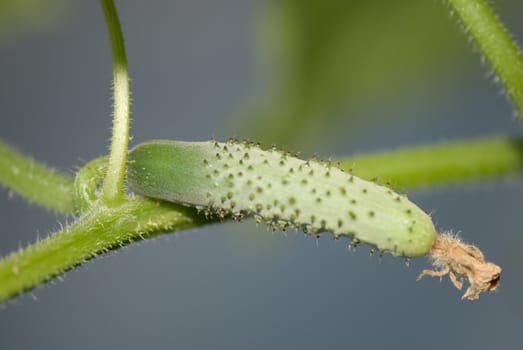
point(240, 179)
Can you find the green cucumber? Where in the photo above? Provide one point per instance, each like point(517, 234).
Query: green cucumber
point(240, 179)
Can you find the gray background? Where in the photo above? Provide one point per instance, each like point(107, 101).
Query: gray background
point(234, 286)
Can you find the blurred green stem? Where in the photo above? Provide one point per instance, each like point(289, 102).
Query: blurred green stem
point(113, 187)
point(436, 165)
point(495, 43)
point(34, 181)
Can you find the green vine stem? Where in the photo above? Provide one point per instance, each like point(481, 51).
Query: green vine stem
point(495, 43)
point(436, 165)
point(35, 181)
point(96, 232)
point(113, 188)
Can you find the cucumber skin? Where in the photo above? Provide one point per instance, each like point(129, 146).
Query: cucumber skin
point(241, 179)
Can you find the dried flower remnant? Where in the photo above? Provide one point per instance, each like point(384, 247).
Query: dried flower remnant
point(453, 257)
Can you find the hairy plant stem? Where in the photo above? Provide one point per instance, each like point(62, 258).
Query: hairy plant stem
point(113, 188)
point(35, 181)
point(495, 43)
point(96, 232)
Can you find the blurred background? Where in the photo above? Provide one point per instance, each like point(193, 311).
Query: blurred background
point(332, 77)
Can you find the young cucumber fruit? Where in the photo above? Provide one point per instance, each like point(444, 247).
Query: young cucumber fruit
point(240, 179)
